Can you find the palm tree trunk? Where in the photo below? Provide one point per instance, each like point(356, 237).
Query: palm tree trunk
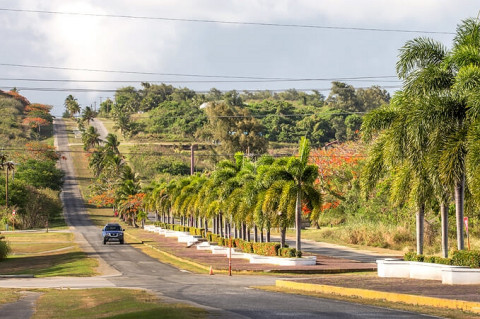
point(444, 216)
point(420, 221)
point(261, 236)
point(248, 233)
point(244, 231)
point(255, 233)
point(214, 224)
point(459, 198)
point(268, 234)
point(205, 220)
point(226, 228)
point(283, 232)
point(298, 220)
point(220, 222)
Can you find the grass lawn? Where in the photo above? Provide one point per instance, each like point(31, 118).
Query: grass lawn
point(9, 295)
point(46, 254)
point(110, 303)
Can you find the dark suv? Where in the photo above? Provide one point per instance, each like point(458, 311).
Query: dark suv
point(112, 232)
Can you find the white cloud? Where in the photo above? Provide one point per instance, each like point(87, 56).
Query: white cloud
point(182, 47)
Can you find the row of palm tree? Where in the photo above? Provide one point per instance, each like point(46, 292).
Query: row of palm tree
point(243, 195)
point(429, 134)
point(114, 177)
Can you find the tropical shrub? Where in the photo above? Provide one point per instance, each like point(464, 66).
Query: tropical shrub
point(413, 256)
point(469, 258)
point(266, 249)
point(4, 249)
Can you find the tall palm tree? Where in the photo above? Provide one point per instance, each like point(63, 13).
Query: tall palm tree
point(90, 138)
point(400, 149)
point(302, 177)
point(88, 114)
point(112, 143)
point(72, 105)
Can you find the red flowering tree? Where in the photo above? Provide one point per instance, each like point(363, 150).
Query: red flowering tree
point(105, 199)
point(16, 96)
point(38, 108)
point(35, 122)
point(39, 151)
point(338, 170)
point(130, 207)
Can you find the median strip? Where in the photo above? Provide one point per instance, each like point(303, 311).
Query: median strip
point(380, 295)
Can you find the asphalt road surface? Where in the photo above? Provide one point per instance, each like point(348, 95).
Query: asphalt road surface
point(224, 296)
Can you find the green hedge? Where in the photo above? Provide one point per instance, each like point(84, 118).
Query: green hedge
point(4, 249)
point(468, 258)
point(412, 256)
point(265, 249)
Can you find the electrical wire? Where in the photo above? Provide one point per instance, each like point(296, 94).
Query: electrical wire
point(87, 90)
point(194, 75)
point(231, 22)
point(205, 81)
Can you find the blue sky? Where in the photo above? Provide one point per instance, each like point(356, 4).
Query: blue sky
point(180, 47)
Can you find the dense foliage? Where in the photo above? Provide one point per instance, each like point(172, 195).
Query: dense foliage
point(30, 174)
point(242, 120)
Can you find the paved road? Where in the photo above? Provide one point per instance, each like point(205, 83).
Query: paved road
point(98, 124)
point(224, 296)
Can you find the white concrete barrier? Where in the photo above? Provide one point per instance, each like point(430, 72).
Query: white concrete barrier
point(219, 250)
point(149, 227)
point(393, 268)
point(461, 276)
point(204, 246)
point(451, 275)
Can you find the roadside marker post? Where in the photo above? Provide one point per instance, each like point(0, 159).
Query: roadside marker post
point(230, 251)
point(13, 220)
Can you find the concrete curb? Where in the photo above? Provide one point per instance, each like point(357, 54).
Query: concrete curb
point(380, 295)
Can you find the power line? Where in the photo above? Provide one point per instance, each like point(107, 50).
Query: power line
point(87, 90)
point(359, 78)
point(194, 75)
point(263, 24)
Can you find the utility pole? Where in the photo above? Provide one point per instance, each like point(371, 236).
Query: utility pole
point(192, 159)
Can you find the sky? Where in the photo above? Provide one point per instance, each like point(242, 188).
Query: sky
point(50, 49)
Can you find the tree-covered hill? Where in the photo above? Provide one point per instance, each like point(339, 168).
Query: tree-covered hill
point(29, 180)
point(180, 114)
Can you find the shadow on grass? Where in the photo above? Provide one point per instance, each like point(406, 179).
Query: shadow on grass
point(165, 312)
point(74, 263)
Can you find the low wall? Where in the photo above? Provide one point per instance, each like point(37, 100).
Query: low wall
point(450, 275)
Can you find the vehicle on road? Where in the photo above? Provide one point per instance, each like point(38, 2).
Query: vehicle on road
point(112, 232)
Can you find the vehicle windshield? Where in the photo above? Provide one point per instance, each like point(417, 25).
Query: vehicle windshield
point(112, 228)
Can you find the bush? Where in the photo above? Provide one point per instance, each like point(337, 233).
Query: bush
point(469, 258)
point(287, 252)
point(266, 249)
point(4, 249)
point(412, 256)
point(197, 231)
